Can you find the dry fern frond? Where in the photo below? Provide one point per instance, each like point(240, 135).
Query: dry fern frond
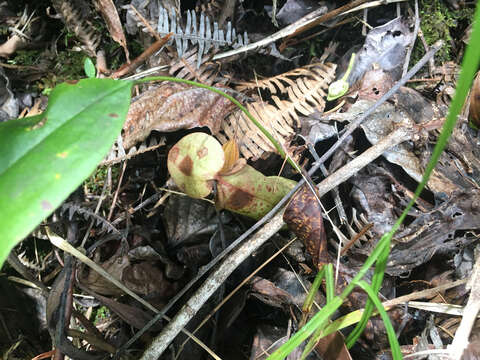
point(30, 264)
point(73, 209)
point(185, 68)
point(280, 83)
point(117, 153)
point(76, 23)
point(306, 94)
point(206, 36)
point(202, 32)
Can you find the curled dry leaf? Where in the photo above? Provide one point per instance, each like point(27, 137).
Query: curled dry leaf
point(114, 25)
point(230, 149)
point(303, 216)
point(171, 107)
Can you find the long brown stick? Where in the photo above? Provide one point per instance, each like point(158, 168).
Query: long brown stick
point(152, 49)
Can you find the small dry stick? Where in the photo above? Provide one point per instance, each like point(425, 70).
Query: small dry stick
point(460, 341)
point(152, 49)
point(415, 34)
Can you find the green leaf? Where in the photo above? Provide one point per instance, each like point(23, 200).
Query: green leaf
point(46, 157)
point(318, 320)
point(89, 68)
point(392, 338)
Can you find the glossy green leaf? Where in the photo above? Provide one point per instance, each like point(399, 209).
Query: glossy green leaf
point(46, 157)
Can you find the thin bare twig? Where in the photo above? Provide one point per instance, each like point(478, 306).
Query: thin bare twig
point(152, 49)
point(415, 34)
point(471, 310)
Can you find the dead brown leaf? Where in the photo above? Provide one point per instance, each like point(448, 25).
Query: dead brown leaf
point(171, 107)
point(115, 266)
point(304, 217)
point(114, 25)
point(332, 347)
point(230, 149)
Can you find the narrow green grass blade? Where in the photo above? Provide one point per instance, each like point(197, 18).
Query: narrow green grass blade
point(330, 282)
point(315, 322)
point(307, 305)
point(377, 279)
point(330, 290)
point(317, 335)
point(392, 338)
point(324, 314)
point(377, 251)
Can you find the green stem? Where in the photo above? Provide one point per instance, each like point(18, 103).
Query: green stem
point(350, 67)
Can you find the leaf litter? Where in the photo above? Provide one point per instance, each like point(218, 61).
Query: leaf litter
point(159, 238)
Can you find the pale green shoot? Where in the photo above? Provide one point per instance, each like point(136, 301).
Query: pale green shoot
point(340, 87)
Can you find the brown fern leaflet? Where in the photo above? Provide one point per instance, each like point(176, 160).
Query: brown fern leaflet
point(306, 88)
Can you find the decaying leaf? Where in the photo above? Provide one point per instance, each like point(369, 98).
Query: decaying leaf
point(375, 199)
point(296, 9)
point(115, 267)
point(270, 294)
point(410, 109)
point(332, 347)
point(185, 218)
point(374, 84)
point(132, 315)
point(110, 15)
point(145, 278)
point(303, 216)
point(171, 107)
point(384, 46)
point(197, 159)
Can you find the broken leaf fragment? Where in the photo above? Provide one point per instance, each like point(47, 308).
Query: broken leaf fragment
point(193, 163)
